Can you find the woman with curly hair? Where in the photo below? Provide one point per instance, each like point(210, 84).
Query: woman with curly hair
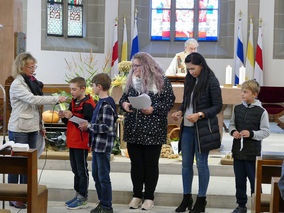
point(146, 130)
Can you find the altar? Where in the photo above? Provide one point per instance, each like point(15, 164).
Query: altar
point(230, 96)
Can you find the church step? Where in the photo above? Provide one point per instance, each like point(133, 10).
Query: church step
point(58, 207)
point(221, 190)
point(166, 166)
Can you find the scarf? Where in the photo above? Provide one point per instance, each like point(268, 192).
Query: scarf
point(34, 85)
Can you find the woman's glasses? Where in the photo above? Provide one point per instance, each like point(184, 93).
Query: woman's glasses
point(32, 67)
point(136, 65)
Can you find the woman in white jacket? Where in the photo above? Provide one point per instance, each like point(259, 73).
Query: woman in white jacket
point(26, 99)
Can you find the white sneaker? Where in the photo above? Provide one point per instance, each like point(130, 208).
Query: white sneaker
point(135, 203)
point(148, 204)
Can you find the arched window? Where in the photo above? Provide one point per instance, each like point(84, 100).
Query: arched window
point(65, 18)
point(183, 19)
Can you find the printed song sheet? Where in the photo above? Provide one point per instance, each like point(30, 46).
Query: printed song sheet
point(140, 102)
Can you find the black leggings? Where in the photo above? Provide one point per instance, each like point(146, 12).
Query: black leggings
point(144, 169)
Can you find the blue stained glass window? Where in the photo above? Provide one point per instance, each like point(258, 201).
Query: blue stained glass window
point(54, 18)
point(75, 20)
point(208, 20)
point(202, 24)
point(161, 20)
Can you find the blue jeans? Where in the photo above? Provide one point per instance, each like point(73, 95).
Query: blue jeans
point(100, 172)
point(25, 138)
point(243, 169)
point(189, 147)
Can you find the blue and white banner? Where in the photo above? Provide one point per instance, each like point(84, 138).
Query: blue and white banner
point(135, 43)
point(239, 60)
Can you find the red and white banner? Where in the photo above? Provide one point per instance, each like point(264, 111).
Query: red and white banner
point(258, 69)
point(114, 61)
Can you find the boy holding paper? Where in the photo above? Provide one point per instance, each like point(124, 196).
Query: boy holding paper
point(82, 106)
point(249, 126)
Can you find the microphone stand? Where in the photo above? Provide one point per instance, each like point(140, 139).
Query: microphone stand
point(4, 128)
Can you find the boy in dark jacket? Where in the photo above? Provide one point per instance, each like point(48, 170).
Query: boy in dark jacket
point(103, 131)
point(249, 126)
point(81, 106)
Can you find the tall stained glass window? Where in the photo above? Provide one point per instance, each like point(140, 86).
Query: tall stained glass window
point(62, 22)
point(208, 20)
point(54, 17)
point(193, 19)
point(75, 18)
point(184, 19)
point(161, 18)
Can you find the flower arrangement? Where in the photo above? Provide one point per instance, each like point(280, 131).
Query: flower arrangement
point(85, 66)
point(124, 66)
point(120, 80)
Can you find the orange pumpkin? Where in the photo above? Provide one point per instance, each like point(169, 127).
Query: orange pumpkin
point(50, 116)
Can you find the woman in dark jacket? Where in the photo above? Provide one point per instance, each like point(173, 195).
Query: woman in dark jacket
point(202, 101)
point(146, 130)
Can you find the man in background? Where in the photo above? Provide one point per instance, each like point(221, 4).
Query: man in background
point(177, 66)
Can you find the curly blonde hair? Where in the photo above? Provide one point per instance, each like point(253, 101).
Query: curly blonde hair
point(21, 61)
point(151, 70)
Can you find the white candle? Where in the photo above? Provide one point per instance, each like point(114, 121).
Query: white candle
point(229, 72)
point(242, 76)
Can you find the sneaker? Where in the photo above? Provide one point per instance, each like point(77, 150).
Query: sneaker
point(77, 204)
point(103, 210)
point(147, 204)
point(240, 210)
point(70, 201)
point(135, 203)
point(18, 204)
point(97, 209)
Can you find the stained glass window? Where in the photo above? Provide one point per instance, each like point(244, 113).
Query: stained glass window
point(54, 18)
point(193, 18)
point(208, 20)
point(161, 20)
point(184, 19)
point(73, 18)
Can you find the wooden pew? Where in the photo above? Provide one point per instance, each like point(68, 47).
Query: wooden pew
point(265, 170)
point(276, 202)
point(23, 163)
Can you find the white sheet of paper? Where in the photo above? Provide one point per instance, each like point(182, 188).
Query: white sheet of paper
point(242, 143)
point(174, 145)
point(77, 120)
point(140, 102)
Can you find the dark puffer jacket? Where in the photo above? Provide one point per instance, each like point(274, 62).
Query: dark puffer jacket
point(207, 129)
point(149, 129)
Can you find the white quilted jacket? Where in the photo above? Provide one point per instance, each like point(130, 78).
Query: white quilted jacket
point(26, 107)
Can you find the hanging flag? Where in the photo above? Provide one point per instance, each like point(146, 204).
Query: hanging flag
point(124, 43)
point(258, 70)
point(250, 54)
point(239, 61)
point(135, 43)
point(114, 61)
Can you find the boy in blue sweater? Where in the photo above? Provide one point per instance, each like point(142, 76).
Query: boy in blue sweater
point(103, 131)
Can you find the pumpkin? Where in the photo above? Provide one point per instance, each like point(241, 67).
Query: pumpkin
point(50, 116)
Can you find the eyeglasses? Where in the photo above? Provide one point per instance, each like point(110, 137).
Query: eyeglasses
point(136, 65)
point(32, 67)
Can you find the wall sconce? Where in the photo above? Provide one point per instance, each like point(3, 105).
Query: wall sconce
point(1, 25)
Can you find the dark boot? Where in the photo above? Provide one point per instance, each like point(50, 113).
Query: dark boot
point(199, 205)
point(186, 203)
